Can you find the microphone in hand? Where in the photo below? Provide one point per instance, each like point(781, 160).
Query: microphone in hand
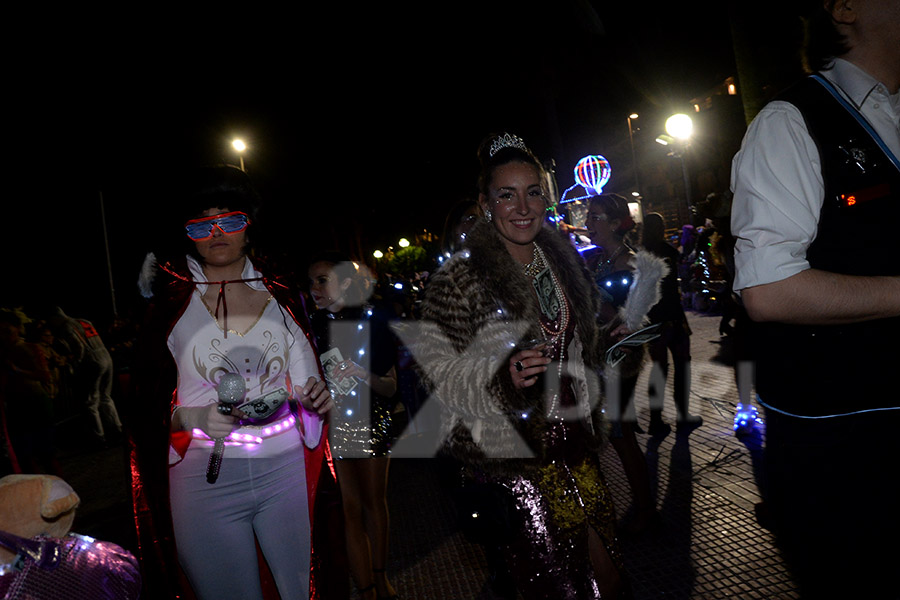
point(231, 391)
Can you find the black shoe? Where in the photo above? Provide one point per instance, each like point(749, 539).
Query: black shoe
point(659, 428)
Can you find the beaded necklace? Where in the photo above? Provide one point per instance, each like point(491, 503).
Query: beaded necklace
point(553, 302)
point(607, 266)
point(555, 310)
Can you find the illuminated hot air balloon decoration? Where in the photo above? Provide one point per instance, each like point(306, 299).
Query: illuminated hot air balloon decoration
point(591, 173)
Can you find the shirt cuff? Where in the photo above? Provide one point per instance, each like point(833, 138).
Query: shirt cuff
point(768, 264)
point(313, 424)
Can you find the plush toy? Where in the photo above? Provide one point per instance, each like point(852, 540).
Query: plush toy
point(31, 505)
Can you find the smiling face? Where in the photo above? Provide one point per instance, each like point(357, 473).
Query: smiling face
point(601, 229)
point(221, 249)
point(516, 201)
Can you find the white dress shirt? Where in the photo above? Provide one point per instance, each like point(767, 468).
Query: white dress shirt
point(777, 180)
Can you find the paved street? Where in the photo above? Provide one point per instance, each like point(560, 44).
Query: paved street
point(710, 546)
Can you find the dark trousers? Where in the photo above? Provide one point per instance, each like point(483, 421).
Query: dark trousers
point(674, 338)
point(833, 490)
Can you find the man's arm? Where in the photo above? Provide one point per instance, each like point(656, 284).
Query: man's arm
point(814, 297)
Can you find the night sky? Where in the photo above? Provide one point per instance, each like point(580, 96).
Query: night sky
point(358, 120)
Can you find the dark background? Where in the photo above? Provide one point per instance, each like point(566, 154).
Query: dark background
point(362, 121)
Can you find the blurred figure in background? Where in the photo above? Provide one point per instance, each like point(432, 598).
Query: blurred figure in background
point(27, 405)
point(359, 358)
point(675, 333)
point(93, 371)
point(460, 220)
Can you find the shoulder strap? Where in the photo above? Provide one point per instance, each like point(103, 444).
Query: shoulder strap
point(859, 119)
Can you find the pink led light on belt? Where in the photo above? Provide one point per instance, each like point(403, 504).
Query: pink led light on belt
point(266, 431)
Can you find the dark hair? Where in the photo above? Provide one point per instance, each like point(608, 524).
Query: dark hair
point(449, 241)
point(345, 268)
point(615, 207)
point(217, 186)
point(503, 156)
point(653, 233)
point(822, 40)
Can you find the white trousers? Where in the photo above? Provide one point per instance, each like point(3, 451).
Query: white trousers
point(215, 525)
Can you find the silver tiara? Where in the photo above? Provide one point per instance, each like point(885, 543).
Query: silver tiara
point(507, 140)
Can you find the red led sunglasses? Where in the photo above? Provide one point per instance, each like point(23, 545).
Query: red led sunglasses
point(230, 222)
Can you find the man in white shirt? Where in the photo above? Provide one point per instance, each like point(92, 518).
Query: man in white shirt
point(816, 194)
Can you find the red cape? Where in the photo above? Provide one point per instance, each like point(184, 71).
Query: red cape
point(148, 416)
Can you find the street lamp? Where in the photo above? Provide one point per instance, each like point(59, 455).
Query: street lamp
point(240, 146)
point(403, 242)
point(680, 127)
point(637, 182)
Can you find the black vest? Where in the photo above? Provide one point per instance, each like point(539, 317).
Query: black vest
point(829, 370)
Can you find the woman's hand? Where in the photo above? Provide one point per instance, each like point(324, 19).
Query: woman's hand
point(348, 368)
point(314, 396)
point(526, 365)
point(620, 332)
point(208, 419)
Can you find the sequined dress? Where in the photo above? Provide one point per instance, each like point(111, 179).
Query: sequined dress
point(360, 425)
point(556, 504)
point(477, 304)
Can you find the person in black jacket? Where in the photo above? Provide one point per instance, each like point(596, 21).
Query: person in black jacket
point(675, 335)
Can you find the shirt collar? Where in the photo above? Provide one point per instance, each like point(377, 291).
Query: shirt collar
point(249, 272)
point(853, 82)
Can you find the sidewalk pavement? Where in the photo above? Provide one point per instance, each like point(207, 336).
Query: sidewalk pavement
point(709, 547)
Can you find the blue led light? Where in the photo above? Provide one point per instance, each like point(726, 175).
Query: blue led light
point(746, 417)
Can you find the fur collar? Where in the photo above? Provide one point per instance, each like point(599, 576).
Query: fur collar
point(504, 279)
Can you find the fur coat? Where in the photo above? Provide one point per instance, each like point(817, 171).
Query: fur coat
point(478, 307)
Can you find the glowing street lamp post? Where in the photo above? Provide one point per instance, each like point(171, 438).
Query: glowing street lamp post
point(240, 146)
point(680, 127)
point(637, 181)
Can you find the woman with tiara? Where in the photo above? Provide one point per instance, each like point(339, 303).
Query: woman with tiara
point(510, 346)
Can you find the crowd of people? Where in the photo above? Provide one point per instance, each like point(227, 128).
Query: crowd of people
point(57, 369)
point(259, 407)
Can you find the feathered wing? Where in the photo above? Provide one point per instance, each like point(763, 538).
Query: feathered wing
point(148, 274)
point(649, 271)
